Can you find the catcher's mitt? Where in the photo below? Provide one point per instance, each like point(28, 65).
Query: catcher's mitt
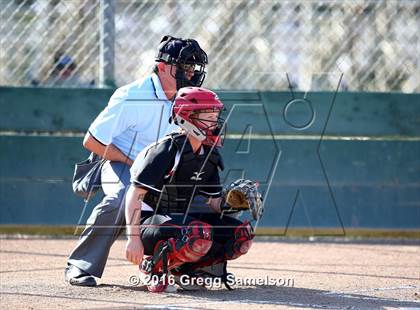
point(243, 195)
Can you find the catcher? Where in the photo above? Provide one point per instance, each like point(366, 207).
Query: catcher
point(166, 177)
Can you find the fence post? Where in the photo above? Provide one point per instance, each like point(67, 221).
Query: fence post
point(107, 43)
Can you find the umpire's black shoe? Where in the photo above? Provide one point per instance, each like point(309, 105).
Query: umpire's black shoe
point(76, 276)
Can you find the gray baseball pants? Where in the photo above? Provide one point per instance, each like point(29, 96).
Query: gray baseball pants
point(106, 222)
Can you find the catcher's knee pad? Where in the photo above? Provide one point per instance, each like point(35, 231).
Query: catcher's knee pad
point(193, 242)
point(241, 242)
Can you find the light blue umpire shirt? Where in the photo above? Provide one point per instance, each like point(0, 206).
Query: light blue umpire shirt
point(137, 115)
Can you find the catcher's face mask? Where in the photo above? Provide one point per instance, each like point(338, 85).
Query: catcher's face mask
point(188, 60)
point(197, 110)
point(211, 125)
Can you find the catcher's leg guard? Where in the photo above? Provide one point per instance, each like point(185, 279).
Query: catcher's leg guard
point(241, 242)
point(193, 242)
point(236, 246)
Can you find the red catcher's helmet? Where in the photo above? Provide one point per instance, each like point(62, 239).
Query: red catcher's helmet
point(189, 102)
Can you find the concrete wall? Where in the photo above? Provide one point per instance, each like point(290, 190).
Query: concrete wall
point(345, 161)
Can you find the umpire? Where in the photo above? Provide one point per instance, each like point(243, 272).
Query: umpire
point(136, 115)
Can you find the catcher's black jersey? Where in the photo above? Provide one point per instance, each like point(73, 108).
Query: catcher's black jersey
point(174, 180)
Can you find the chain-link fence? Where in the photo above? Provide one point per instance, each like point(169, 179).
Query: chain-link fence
point(251, 44)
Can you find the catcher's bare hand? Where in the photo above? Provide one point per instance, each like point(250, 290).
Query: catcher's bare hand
point(134, 250)
point(214, 204)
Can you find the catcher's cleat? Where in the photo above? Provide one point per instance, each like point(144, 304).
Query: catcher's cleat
point(158, 283)
point(162, 286)
point(157, 288)
point(194, 270)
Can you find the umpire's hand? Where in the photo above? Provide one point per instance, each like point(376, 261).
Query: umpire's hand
point(134, 250)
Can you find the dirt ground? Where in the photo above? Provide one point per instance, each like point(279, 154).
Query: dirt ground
point(333, 275)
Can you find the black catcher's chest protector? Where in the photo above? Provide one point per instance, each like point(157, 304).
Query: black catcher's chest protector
point(191, 175)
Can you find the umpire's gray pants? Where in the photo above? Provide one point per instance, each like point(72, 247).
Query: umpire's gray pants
point(106, 222)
